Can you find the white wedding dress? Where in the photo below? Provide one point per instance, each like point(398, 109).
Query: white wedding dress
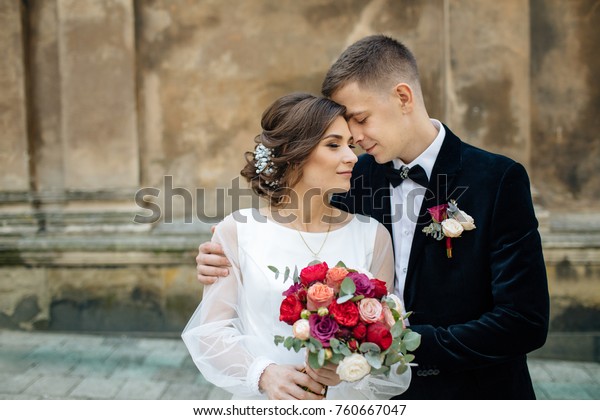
point(230, 336)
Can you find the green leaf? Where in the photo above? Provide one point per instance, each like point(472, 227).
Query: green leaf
point(412, 340)
point(401, 369)
point(316, 342)
point(345, 351)
point(392, 359)
point(336, 358)
point(341, 264)
point(286, 275)
point(334, 343)
point(296, 275)
point(383, 370)
point(357, 298)
point(374, 359)
point(343, 299)
point(314, 262)
point(279, 339)
point(409, 358)
point(369, 347)
point(347, 287)
point(274, 270)
point(397, 329)
point(298, 344)
point(321, 356)
point(288, 343)
point(313, 360)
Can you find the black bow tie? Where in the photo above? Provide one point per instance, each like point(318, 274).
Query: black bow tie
point(396, 176)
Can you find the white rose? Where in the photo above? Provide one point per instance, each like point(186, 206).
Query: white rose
point(467, 222)
point(399, 307)
point(353, 368)
point(452, 228)
point(301, 329)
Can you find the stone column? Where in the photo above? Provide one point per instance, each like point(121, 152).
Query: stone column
point(14, 172)
point(98, 103)
point(487, 74)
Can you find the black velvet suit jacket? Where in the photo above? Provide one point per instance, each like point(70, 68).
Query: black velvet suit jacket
point(481, 311)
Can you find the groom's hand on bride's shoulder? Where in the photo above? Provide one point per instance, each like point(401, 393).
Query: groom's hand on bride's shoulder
point(211, 263)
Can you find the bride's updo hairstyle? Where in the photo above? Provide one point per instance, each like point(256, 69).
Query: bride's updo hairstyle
point(292, 127)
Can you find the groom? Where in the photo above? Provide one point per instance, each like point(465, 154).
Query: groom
point(480, 301)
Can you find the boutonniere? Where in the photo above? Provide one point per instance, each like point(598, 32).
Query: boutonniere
point(448, 222)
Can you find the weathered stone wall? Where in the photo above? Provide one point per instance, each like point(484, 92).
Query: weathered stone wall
point(101, 98)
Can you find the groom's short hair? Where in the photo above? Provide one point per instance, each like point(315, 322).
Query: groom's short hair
point(375, 62)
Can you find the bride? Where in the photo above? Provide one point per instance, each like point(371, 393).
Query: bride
point(303, 155)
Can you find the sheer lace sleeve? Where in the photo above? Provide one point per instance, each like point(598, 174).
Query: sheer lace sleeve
point(382, 265)
point(214, 335)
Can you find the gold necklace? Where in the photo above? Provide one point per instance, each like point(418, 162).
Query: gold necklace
point(315, 254)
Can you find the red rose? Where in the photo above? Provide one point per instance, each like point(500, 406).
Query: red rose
point(353, 344)
point(380, 335)
point(345, 314)
point(380, 289)
point(290, 309)
point(313, 273)
point(438, 213)
point(360, 332)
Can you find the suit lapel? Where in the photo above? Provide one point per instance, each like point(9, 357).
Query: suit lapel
point(439, 191)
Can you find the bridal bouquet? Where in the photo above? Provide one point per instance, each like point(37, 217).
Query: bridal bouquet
point(345, 317)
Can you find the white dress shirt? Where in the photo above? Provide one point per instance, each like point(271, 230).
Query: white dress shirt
point(406, 203)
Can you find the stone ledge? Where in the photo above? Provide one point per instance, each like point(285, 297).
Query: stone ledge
point(577, 346)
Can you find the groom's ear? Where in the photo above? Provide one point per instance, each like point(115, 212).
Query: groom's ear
point(405, 97)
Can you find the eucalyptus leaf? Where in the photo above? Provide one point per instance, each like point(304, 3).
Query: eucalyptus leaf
point(316, 342)
point(369, 347)
point(313, 360)
point(347, 287)
point(412, 340)
point(397, 330)
point(336, 358)
point(409, 358)
point(321, 357)
point(288, 343)
point(298, 344)
point(343, 299)
point(392, 359)
point(383, 370)
point(274, 270)
point(286, 275)
point(279, 339)
point(345, 351)
point(334, 343)
point(341, 264)
point(296, 276)
point(401, 369)
point(374, 359)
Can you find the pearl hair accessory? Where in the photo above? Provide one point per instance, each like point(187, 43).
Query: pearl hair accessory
point(263, 162)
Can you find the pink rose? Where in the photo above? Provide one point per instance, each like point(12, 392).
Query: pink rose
point(319, 296)
point(335, 277)
point(370, 310)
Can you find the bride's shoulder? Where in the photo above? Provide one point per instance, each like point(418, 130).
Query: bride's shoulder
point(366, 220)
point(241, 217)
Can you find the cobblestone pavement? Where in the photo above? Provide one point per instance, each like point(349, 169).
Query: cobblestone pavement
point(42, 365)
